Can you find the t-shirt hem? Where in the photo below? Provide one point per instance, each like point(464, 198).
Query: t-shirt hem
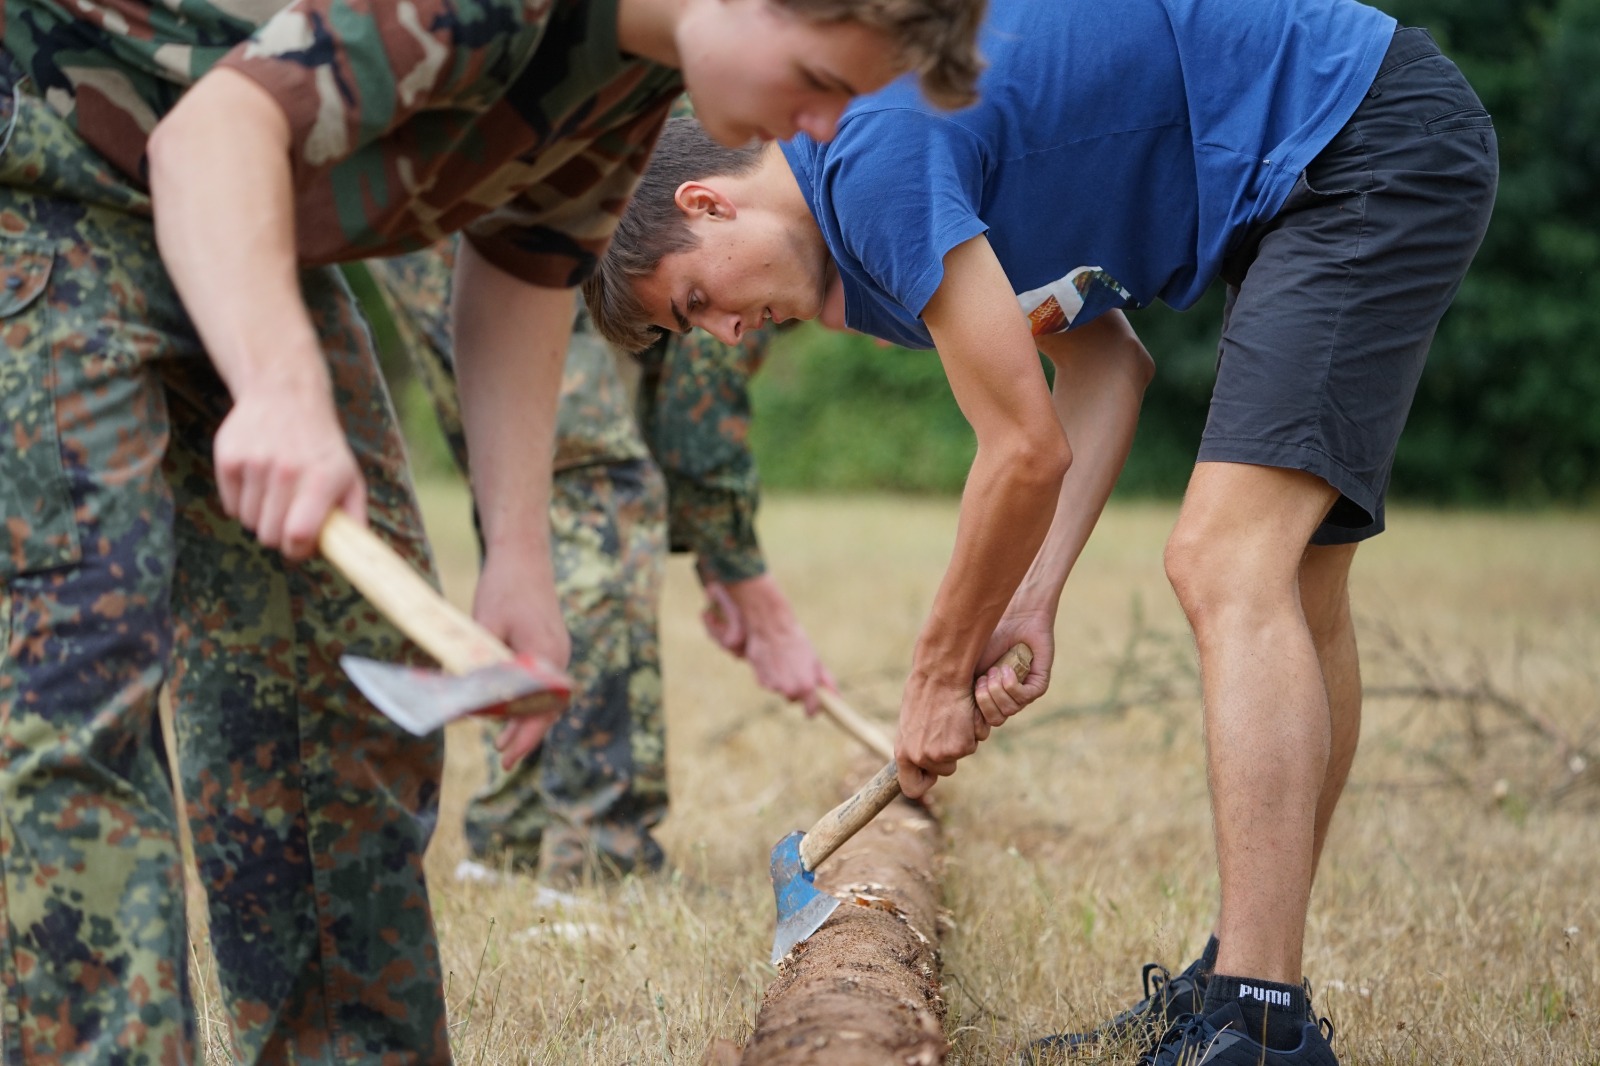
point(1288, 168)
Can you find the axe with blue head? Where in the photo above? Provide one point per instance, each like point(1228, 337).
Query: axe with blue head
point(802, 907)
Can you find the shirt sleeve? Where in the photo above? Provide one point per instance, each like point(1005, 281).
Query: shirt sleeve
point(345, 73)
point(421, 117)
point(935, 167)
point(555, 233)
point(694, 407)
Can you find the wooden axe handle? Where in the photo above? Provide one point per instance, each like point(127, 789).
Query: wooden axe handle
point(391, 585)
point(847, 718)
point(845, 820)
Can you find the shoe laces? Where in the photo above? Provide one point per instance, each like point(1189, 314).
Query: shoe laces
point(1185, 1031)
point(1324, 1023)
point(1156, 978)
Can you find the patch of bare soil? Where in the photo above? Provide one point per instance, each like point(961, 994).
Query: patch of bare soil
point(864, 989)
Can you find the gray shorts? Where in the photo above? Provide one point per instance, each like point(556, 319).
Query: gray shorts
point(1332, 303)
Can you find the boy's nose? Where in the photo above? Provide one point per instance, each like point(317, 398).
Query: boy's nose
point(820, 124)
point(726, 328)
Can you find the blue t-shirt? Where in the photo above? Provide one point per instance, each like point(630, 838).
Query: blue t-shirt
point(1115, 154)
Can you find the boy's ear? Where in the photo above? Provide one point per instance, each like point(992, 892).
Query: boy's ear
point(698, 200)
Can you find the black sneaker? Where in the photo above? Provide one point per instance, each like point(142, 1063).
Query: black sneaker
point(1219, 1039)
point(1141, 1026)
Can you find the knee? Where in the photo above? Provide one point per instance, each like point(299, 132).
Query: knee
point(1217, 578)
point(1190, 565)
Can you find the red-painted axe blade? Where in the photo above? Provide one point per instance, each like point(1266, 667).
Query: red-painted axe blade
point(423, 700)
point(480, 676)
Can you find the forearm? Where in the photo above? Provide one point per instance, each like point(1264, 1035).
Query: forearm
point(1099, 385)
point(510, 345)
point(1006, 511)
point(219, 164)
point(993, 368)
point(1010, 496)
point(221, 186)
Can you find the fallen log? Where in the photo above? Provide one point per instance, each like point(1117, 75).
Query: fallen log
point(864, 989)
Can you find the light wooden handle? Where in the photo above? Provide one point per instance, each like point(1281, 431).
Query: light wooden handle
point(391, 585)
point(847, 718)
point(1019, 658)
point(845, 820)
point(842, 823)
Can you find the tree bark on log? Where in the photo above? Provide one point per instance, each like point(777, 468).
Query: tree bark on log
point(864, 989)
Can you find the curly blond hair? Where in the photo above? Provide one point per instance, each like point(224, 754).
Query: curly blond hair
point(937, 39)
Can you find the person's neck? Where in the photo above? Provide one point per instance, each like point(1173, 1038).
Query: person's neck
point(779, 189)
point(647, 29)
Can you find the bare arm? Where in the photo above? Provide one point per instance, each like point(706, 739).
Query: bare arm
point(1006, 508)
point(510, 344)
point(219, 164)
point(1101, 374)
point(1102, 371)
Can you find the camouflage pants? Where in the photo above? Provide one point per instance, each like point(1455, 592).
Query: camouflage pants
point(121, 574)
point(585, 805)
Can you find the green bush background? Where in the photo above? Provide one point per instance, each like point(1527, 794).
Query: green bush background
point(1508, 411)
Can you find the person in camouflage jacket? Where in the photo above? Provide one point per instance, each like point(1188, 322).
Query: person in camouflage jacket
point(624, 488)
point(189, 391)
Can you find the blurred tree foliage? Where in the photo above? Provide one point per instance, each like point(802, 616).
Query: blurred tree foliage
point(1509, 409)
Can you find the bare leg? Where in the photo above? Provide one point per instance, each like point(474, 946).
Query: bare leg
point(1325, 595)
point(1234, 561)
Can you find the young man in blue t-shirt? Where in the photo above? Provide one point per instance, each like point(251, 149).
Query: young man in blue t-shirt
point(1338, 174)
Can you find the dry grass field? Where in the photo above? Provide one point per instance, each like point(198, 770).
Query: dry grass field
point(1455, 919)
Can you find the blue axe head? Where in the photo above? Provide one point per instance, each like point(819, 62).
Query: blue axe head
point(802, 908)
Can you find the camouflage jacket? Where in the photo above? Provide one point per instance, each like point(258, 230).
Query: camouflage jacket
point(516, 120)
point(691, 412)
point(694, 407)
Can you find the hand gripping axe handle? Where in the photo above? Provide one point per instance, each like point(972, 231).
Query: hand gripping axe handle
point(801, 907)
point(482, 675)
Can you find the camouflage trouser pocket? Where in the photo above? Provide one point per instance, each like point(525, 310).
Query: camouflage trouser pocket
point(37, 528)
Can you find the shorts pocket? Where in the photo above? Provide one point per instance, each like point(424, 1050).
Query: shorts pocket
point(1343, 168)
point(37, 527)
point(1468, 118)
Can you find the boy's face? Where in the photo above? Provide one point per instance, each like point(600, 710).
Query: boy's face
point(757, 72)
point(746, 271)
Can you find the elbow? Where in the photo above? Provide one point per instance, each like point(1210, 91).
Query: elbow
point(224, 112)
point(1040, 460)
point(176, 154)
point(1138, 365)
point(164, 146)
point(1056, 461)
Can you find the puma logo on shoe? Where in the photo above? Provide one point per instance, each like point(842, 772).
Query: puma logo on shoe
point(1275, 997)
